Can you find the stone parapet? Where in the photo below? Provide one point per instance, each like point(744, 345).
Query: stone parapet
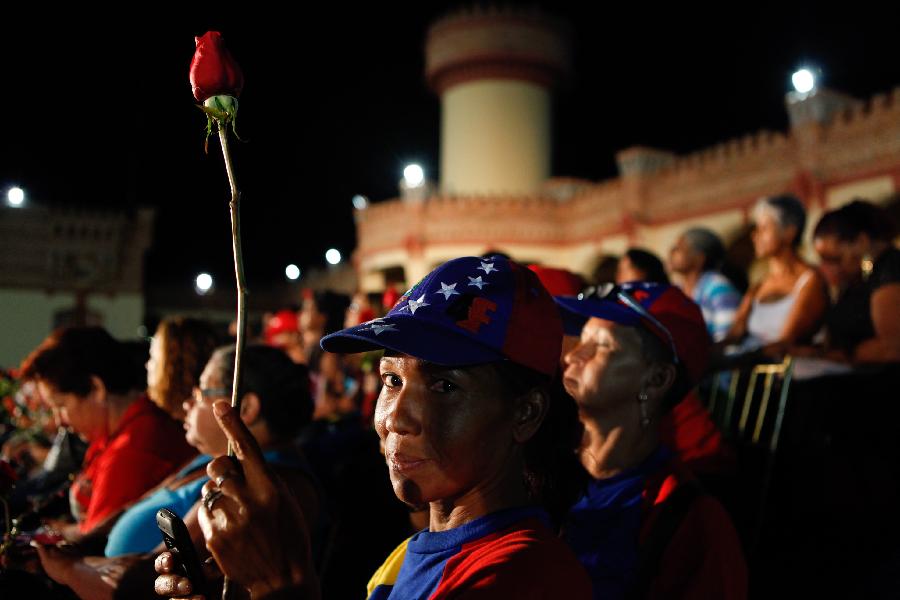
point(491, 43)
point(658, 189)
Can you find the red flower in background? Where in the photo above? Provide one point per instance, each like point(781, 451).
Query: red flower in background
point(8, 477)
point(213, 70)
point(390, 297)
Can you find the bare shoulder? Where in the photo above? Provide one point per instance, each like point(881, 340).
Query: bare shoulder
point(811, 278)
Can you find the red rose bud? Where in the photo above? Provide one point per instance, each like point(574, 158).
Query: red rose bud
point(213, 70)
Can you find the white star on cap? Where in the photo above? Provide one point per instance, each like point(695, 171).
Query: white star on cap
point(477, 282)
point(379, 328)
point(415, 305)
point(447, 290)
point(487, 268)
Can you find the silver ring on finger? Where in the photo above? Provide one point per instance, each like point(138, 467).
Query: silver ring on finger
point(222, 478)
point(210, 498)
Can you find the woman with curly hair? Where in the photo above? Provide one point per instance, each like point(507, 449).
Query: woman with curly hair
point(180, 349)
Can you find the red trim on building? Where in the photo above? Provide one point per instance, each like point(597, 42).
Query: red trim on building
point(492, 67)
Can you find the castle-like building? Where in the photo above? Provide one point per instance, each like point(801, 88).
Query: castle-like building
point(495, 71)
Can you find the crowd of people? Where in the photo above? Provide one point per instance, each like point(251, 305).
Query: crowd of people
point(498, 430)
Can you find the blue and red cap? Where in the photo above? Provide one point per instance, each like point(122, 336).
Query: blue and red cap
point(662, 309)
point(467, 311)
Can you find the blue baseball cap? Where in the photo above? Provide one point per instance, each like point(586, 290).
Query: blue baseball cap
point(660, 308)
point(467, 311)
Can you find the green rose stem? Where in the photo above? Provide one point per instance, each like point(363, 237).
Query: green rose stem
point(216, 82)
point(235, 208)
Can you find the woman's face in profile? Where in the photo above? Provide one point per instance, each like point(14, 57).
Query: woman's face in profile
point(604, 369)
point(86, 415)
point(154, 363)
point(201, 429)
point(766, 235)
point(839, 261)
point(447, 432)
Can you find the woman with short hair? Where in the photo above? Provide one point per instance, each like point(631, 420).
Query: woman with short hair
point(788, 305)
point(92, 381)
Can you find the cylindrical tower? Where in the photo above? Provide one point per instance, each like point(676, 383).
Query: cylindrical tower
point(494, 71)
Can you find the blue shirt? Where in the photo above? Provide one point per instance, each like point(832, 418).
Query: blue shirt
point(513, 553)
point(719, 301)
point(604, 525)
point(136, 530)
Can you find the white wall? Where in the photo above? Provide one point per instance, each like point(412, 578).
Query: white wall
point(495, 138)
point(26, 318)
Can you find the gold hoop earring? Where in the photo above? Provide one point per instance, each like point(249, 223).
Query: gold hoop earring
point(866, 265)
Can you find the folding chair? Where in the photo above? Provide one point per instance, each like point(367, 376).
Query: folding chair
point(751, 415)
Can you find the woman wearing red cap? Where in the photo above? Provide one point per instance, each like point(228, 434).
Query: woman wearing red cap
point(472, 426)
point(283, 331)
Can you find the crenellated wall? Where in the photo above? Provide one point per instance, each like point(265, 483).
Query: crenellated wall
point(826, 158)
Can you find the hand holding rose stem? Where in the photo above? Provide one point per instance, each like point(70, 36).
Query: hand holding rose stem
point(217, 80)
point(257, 531)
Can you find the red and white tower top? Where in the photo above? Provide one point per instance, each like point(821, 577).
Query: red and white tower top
point(494, 70)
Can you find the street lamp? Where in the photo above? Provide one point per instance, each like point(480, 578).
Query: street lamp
point(333, 256)
point(413, 176)
point(15, 197)
point(804, 80)
point(292, 272)
point(203, 284)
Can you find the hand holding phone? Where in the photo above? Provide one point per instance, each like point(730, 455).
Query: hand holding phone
point(178, 541)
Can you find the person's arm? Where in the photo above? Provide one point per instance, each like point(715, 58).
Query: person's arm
point(739, 328)
point(91, 577)
point(885, 345)
point(256, 530)
point(71, 532)
point(808, 311)
point(719, 360)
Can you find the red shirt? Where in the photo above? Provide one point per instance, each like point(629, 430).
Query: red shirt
point(121, 467)
point(690, 432)
point(703, 559)
point(511, 553)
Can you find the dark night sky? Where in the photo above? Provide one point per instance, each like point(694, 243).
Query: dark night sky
point(97, 109)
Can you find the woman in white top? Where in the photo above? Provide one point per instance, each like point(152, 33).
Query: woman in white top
point(789, 304)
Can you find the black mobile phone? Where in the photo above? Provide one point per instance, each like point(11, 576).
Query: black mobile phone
point(178, 541)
